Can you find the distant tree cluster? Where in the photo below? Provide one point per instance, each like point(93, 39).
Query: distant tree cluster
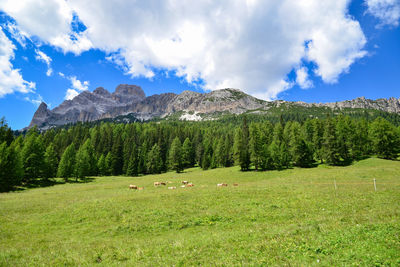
point(145, 148)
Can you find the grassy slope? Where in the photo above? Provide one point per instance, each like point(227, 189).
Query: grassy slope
point(290, 217)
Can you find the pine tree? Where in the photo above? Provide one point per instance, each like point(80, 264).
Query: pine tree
point(51, 162)
point(244, 154)
point(188, 153)
point(117, 156)
point(101, 165)
point(154, 161)
point(256, 146)
point(175, 156)
point(82, 163)
point(66, 168)
point(344, 133)
point(385, 139)
point(10, 167)
point(33, 155)
point(302, 154)
point(109, 163)
point(330, 146)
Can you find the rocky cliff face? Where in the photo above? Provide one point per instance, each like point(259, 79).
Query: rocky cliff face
point(130, 99)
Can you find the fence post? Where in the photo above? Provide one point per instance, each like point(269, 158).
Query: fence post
point(375, 184)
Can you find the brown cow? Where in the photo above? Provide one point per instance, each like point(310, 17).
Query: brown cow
point(133, 186)
point(157, 183)
point(235, 184)
point(140, 188)
point(172, 187)
point(163, 183)
point(223, 184)
point(185, 182)
point(190, 185)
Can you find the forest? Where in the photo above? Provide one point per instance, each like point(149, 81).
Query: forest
point(139, 148)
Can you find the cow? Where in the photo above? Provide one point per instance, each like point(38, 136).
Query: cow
point(183, 186)
point(235, 184)
point(185, 182)
point(157, 183)
point(190, 185)
point(223, 184)
point(172, 187)
point(140, 188)
point(163, 183)
point(133, 187)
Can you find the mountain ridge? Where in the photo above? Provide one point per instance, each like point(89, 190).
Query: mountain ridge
point(131, 99)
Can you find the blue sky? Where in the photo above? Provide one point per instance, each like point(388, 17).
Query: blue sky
point(319, 52)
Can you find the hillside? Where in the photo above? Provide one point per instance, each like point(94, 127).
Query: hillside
point(129, 103)
point(293, 217)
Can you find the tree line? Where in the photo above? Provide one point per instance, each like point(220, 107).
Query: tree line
point(155, 147)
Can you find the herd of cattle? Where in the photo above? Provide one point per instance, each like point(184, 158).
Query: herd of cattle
point(184, 184)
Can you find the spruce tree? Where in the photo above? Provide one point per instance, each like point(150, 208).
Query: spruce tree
point(51, 162)
point(33, 155)
point(101, 165)
point(188, 153)
point(154, 161)
point(244, 153)
point(256, 146)
point(175, 156)
point(82, 163)
point(330, 146)
point(10, 167)
point(385, 139)
point(66, 168)
point(109, 164)
point(117, 162)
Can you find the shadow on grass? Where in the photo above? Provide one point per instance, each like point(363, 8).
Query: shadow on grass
point(40, 183)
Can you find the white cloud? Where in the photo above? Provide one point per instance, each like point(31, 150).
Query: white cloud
point(71, 93)
point(251, 45)
point(11, 79)
point(36, 99)
point(48, 20)
point(17, 34)
point(61, 74)
point(387, 11)
point(46, 59)
point(302, 78)
point(76, 87)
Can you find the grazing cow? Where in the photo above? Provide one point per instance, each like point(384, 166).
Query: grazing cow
point(223, 184)
point(157, 183)
point(235, 184)
point(140, 188)
point(163, 183)
point(172, 187)
point(133, 186)
point(183, 186)
point(190, 185)
point(185, 182)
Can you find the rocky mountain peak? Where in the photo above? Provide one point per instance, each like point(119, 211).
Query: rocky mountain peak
point(101, 91)
point(41, 115)
point(130, 91)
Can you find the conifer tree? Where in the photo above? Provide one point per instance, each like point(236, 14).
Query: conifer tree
point(109, 163)
point(188, 153)
point(101, 165)
point(244, 154)
point(117, 156)
point(154, 161)
point(385, 139)
point(51, 162)
point(10, 167)
point(175, 156)
point(330, 146)
point(256, 146)
point(82, 163)
point(33, 155)
point(66, 168)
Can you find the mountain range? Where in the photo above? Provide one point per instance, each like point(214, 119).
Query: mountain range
point(189, 105)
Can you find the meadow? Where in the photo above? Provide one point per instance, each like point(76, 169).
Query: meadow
point(275, 218)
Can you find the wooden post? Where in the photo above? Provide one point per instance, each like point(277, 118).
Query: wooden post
point(334, 181)
point(375, 184)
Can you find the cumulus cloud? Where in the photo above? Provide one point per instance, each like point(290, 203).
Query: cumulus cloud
point(11, 79)
point(387, 11)
point(41, 56)
point(302, 78)
point(251, 45)
point(76, 87)
point(49, 21)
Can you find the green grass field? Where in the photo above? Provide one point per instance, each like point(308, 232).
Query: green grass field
point(291, 217)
